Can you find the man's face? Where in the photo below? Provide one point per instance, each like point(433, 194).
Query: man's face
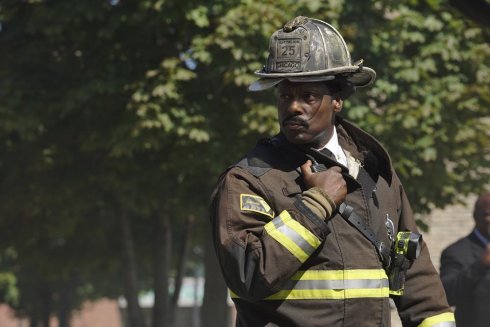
point(306, 112)
point(482, 215)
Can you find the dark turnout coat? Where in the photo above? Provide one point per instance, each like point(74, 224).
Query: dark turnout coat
point(285, 266)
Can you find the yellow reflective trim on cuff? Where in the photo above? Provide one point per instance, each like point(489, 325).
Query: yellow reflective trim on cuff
point(233, 295)
point(300, 229)
point(293, 236)
point(286, 242)
point(441, 318)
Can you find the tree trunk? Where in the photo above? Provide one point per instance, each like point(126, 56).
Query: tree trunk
point(163, 250)
point(135, 314)
point(182, 259)
point(33, 321)
point(65, 303)
point(214, 311)
point(47, 301)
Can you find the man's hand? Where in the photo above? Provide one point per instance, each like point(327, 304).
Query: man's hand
point(329, 181)
point(485, 258)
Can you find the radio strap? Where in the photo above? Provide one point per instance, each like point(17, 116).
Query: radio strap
point(368, 186)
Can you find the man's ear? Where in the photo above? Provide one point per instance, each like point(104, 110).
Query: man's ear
point(337, 103)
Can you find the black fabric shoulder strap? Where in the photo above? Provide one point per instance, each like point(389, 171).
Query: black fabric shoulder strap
point(348, 213)
point(368, 185)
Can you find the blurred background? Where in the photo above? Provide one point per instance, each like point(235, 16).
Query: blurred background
point(117, 117)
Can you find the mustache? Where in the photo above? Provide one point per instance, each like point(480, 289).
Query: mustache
point(295, 120)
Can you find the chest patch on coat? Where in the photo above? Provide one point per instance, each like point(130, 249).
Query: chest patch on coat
point(249, 202)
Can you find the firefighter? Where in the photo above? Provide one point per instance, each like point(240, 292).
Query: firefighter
point(312, 227)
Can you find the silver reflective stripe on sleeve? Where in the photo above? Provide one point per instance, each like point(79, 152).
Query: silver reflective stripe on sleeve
point(293, 236)
point(296, 238)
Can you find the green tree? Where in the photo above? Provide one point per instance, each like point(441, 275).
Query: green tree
point(428, 105)
point(81, 149)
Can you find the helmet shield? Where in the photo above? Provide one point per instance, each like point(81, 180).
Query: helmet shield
point(310, 50)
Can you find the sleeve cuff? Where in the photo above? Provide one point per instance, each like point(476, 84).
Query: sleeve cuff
point(318, 202)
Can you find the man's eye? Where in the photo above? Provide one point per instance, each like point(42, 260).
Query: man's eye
point(311, 96)
point(284, 97)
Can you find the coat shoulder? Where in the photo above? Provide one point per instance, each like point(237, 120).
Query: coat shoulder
point(462, 245)
point(266, 155)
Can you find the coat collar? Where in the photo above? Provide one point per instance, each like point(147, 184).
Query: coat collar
point(364, 147)
point(360, 144)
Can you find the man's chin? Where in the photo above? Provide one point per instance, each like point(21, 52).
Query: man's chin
point(297, 138)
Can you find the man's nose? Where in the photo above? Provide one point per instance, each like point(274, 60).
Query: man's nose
point(295, 106)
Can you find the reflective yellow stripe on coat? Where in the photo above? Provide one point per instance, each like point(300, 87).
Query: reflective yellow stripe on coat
point(442, 320)
point(293, 236)
point(334, 285)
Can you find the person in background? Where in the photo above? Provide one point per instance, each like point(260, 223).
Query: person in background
point(306, 224)
point(465, 270)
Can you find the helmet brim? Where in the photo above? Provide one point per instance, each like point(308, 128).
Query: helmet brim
point(358, 77)
point(266, 83)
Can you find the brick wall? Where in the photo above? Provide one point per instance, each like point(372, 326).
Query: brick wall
point(102, 313)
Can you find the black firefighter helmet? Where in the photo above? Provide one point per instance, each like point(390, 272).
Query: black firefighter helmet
point(310, 50)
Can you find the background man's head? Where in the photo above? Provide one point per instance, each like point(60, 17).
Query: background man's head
point(482, 214)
